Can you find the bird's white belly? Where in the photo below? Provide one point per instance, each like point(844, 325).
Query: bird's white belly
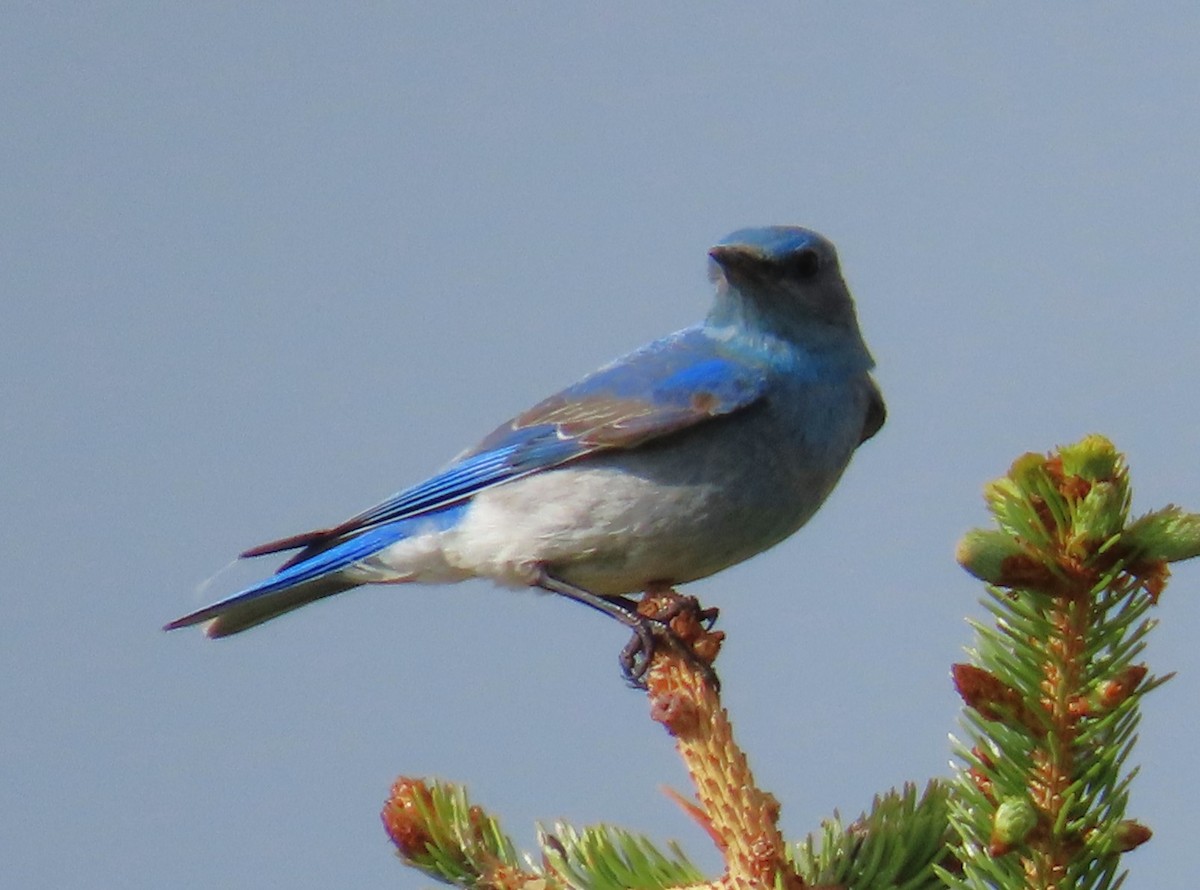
point(596, 526)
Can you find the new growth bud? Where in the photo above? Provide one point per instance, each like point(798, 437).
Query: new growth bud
point(998, 558)
point(1166, 535)
point(1015, 818)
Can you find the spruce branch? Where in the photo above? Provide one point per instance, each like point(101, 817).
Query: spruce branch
point(438, 831)
point(1053, 687)
point(896, 845)
point(605, 857)
point(741, 818)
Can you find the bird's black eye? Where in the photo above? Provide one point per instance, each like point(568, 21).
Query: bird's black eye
point(803, 264)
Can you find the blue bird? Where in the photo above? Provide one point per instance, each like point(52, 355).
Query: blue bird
point(678, 460)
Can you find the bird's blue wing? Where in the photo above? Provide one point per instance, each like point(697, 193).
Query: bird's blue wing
point(667, 387)
point(661, 389)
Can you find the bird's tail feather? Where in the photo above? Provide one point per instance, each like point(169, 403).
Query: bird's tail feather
point(295, 585)
point(237, 614)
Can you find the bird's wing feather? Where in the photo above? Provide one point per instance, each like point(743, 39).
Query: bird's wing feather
point(661, 389)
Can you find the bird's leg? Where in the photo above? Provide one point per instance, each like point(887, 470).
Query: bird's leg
point(656, 611)
point(635, 657)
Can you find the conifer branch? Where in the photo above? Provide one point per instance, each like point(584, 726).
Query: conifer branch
point(741, 819)
point(1053, 686)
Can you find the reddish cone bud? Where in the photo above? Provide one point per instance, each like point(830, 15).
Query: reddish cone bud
point(1130, 835)
point(993, 699)
point(403, 816)
point(1113, 692)
point(1108, 694)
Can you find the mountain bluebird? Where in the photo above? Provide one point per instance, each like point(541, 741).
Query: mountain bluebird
point(676, 461)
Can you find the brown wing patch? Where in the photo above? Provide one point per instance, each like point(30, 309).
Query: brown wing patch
point(705, 402)
point(289, 543)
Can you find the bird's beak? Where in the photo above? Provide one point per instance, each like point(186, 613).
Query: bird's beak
point(735, 257)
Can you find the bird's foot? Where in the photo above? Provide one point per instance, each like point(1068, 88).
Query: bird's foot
point(662, 615)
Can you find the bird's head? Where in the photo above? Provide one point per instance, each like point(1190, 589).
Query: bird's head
point(783, 280)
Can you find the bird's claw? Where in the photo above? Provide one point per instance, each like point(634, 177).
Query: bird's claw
point(638, 653)
point(663, 616)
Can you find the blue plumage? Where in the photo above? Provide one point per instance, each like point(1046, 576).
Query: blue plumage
point(681, 458)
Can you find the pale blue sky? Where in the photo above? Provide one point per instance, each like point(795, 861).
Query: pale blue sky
point(263, 264)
